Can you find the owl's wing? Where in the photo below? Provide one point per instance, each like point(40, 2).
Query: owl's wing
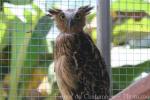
point(100, 60)
point(92, 70)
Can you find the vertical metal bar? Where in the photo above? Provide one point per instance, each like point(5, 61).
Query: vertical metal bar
point(103, 31)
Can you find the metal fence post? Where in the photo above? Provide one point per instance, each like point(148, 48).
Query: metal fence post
point(103, 31)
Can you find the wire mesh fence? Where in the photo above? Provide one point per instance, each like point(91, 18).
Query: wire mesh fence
point(27, 39)
point(130, 50)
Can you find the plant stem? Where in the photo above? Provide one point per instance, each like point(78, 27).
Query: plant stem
point(18, 58)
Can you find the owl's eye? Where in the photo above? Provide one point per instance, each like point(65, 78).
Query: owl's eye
point(77, 16)
point(62, 16)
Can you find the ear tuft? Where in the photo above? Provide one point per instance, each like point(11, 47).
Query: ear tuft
point(85, 9)
point(53, 12)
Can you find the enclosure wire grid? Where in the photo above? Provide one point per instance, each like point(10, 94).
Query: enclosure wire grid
point(27, 38)
point(130, 52)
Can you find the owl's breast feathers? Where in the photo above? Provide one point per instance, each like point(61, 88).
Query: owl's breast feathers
point(80, 69)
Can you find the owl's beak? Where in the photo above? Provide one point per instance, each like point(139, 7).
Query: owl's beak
point(70, 23)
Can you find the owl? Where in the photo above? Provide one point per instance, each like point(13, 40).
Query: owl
point(80, 69)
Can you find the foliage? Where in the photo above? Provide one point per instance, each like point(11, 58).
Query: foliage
point(125, 75)
point(90, 17)
point(26, 34)
point(133, 26)
point(20, 2)
point(94, 35)
point(130, 5)
point(18, 56)
point(129, 29)
point(3, 30)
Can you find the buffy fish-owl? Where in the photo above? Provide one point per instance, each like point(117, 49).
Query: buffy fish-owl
point(80, 69)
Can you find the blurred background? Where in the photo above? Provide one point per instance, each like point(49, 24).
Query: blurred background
point(27, 38)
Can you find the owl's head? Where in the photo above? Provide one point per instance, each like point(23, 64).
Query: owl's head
point(71, 20)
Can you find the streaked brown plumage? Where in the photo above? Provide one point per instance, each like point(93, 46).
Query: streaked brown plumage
point(80, 70)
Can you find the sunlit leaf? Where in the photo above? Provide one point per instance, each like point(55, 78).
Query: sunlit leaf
point(130, 5)
point(3, 31)
point(20, 2)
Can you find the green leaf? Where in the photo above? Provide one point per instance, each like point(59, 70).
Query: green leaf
point(37, 46)
point(19, 47)
point(37, 43)
point(3, 31)
point(26, 49)
point(90, 17)
point(130, 5)
point(125, 75)
point(133, 26)
point(94, 35)
point(20, 2)
point(131, 29)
